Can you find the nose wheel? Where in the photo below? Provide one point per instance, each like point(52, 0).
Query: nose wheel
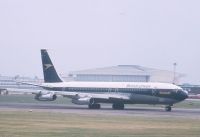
point(168, 108)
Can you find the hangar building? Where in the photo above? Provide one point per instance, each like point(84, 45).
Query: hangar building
point(124, 73)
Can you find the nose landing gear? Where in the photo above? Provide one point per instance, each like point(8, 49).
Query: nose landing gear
point(168, 108)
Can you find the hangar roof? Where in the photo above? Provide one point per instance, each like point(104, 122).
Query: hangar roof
point(117, 70)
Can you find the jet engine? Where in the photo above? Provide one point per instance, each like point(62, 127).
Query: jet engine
point(45, 97)
point(83, 101)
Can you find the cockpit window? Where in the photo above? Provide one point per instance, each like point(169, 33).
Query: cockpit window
point(175, 90)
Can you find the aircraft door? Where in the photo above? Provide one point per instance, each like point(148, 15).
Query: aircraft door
point(154, 92)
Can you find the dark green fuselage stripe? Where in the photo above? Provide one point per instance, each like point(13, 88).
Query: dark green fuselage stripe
point(164, 93)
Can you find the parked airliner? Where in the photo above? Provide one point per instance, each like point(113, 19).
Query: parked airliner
point(116, 93)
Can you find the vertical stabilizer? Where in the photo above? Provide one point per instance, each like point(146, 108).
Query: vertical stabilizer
point(49, 71)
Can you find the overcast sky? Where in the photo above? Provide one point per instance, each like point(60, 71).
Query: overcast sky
point(82, 34)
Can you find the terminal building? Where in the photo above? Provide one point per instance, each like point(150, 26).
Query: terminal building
point(10, 82)
point(192, 89)
point(125, 73)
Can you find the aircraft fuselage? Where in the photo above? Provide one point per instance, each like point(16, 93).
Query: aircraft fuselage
point(136, 92)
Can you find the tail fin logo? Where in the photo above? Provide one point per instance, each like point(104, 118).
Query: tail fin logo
point(47, 66)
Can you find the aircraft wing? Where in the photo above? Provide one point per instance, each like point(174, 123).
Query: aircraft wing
point(70, 94)
point(92, 95)
point(23, 91)
point(32, 84)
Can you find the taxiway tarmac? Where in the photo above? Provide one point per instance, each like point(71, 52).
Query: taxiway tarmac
point(105, 110)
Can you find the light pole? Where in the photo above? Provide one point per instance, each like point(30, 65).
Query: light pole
point(174, 79)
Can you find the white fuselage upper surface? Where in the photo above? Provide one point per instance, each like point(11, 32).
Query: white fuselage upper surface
point(135, 85)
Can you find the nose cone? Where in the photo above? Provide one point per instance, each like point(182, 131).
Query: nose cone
point(183, 94)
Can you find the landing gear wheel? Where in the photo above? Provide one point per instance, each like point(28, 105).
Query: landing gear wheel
point(94, 106)
point(118, 106)
point(168, 108)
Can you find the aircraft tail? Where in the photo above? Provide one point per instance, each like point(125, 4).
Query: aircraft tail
point(49, 71)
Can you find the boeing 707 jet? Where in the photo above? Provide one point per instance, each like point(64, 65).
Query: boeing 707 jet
point(116, 93)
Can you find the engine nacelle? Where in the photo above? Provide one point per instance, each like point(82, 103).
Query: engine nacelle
point(83, 101)
point(3, 92)
point(45, 97)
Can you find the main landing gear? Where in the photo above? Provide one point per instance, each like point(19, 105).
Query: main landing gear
point(94, 106)
point(168, 108)
point(118, 106)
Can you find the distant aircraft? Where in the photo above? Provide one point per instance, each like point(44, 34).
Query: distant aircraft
point(116, 93)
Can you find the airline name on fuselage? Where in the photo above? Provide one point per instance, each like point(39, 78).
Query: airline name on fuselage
point(137, 86)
